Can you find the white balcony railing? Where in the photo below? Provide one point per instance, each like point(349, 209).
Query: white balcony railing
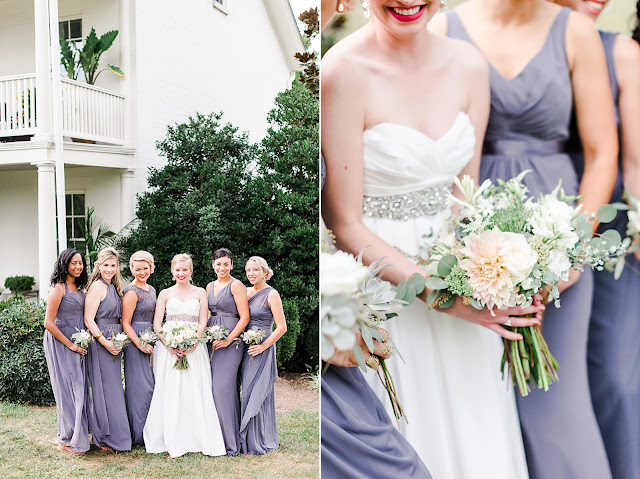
point(17, 105)
point(88, 112)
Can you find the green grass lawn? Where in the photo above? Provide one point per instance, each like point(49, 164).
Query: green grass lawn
point(28, 450)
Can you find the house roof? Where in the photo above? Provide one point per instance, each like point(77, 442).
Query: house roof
point(286, 30)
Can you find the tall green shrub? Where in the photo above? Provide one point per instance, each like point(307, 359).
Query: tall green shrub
point(23, 369)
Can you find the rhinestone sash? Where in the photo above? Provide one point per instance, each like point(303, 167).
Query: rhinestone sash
point(416, 204)
point(190, 318)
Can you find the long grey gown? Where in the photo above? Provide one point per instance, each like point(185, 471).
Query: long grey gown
point(614, 358)
point(225, 368)
point(68, 374)
point(138, 373)
point(106, 407)
point(258, 432)
point(528, 129)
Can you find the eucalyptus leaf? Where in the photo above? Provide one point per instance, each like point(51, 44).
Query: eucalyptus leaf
point(359, 355)
point(474, 302)
point(377, 334)
point(446, 264)
point(617, 272)
point(401, 290)
point(418, 282)
point(611, 237)
point(435, 282)
point(549, 277)
point(606, 214)
point(432, 296)
point(449, 302)
point(368, 339)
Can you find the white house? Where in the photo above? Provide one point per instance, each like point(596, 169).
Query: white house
point(179, 58)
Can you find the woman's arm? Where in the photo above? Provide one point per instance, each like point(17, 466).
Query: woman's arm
point(97, 292)
point(594, 111)
point(53, 303)
point(275, 303)
point(626, 54)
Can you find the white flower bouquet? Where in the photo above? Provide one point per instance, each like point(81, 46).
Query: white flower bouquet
point(253, 337)
point(504, 248)
point(181, 335)
point(354, 300)
point(82, 338)
point(216, 332)
point(148, 337)
point(119, 340)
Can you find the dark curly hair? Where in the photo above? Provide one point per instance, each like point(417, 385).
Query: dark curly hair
point(61, 268)
point(636, 31)
point(223, 253)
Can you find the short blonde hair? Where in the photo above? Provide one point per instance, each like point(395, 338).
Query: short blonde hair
point(180, 258)
point(142, 256)
point(267, 272)
point(106, 254)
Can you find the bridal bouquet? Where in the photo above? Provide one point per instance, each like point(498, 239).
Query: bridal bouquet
point(82, 338)
point(354, 300)
point(181, 335)
point(216, 332)
point(148, 337)
point(119, 340)
point(253, 337)
point(504, 248)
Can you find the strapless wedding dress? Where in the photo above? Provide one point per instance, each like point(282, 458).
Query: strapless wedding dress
point(462, 416)
point(182, 416)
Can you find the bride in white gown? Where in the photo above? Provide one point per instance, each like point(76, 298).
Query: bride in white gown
point(403, 112)
point(182, 416)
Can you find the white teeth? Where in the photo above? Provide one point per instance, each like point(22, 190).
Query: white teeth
point(406, 11)
point(595, 6)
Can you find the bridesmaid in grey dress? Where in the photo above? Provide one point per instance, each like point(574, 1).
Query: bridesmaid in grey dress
point(258, 432)
point(65, 313)
point(228, 305)
point(528, 128)
point(106, 408)
point(138, 308)
point(614, 364)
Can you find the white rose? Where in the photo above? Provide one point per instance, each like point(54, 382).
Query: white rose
point(519, 258)
point(340, 273)
point(559, 264)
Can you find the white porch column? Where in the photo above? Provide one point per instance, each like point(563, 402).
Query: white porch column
point(126, 65)
point(47, 248)
point(44, 131)
point(127, 202)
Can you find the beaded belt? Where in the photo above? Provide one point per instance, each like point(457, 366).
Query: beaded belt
point(189, 318)
point(416, 204)
point(223, 313)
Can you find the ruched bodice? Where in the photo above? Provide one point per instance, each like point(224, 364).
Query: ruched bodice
point(260, 311)
point(222, 304)
point(110, 307)
point(178, 310)
point(71, 307)
point(399, 159)
point(146, 307)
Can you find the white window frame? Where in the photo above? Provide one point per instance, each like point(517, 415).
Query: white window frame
point(69, 214)
point(221, 5)
point(68, 20)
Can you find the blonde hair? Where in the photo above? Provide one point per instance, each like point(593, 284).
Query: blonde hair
point(182, 257)
point(106, 254)
point(142, 256)
point(267, 272)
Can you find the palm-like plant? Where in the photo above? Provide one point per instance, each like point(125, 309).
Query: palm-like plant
point(97, 236)
point(87, 59)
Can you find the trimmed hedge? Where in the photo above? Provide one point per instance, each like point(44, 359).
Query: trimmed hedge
point(19, 283)
point(24, 377)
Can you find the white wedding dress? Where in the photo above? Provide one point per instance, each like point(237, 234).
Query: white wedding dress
point(182, 416)
point(462, 416)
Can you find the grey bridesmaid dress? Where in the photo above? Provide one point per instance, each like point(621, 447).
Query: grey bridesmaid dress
point(138, 373)
point(225, 368)
point(258, 432)
point(613, 355)
point(528, 129)
point(68, 374)
point(106, 407)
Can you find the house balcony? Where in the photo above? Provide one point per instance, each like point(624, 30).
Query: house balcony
point(89, 114)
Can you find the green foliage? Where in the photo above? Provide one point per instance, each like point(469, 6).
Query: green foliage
point(23, 369)
point(19, 283)
point(5, 303)
point(218, 190)
point(97, 235)
point(87, 59)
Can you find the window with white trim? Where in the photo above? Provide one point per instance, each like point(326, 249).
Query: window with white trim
point(71, 29)
point(76, 212)
point(221, 5)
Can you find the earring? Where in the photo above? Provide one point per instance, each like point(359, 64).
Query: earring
point(340, 7)
point(365, 8)
point(443, 4)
